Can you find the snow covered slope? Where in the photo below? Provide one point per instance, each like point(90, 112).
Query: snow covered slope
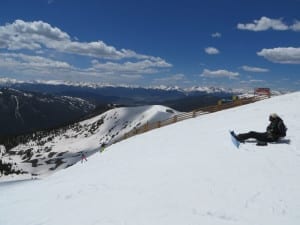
point(45, 152)
point(186, 173)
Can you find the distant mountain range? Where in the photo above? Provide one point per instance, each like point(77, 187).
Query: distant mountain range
point(59, 83)
point(122, 94)
point(37, 105)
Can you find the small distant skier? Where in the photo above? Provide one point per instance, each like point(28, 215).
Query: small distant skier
point(83, 158)
point(274, 132)
point(102, 147)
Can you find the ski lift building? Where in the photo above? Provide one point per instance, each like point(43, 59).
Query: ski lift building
point(262, 92)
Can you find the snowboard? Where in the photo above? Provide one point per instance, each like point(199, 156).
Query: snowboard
point(235, 142)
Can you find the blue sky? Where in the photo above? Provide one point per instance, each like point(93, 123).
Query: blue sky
point(223, 43)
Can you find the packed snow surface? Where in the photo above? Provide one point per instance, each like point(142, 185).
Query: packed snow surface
point(186, 173)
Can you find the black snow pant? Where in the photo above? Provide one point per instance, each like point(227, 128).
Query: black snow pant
point(263, 137)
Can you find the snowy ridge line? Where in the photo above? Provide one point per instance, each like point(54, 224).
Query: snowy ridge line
point(42, 153)
point(193, 114)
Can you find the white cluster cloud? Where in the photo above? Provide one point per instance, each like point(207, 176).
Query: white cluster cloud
point(257, 81)
point(219, 73)
point(289, 55)
point(255, 69)
point(22, 61)
point(296, 26)
point(139, 67)
point(176, 79)
point(216, 35)
point(37, 67)
point(36, 35)
point(265, 23)
point(42, 42)
point(211, 50)
point(283, 55)
point(41, 66)
point(30, 35)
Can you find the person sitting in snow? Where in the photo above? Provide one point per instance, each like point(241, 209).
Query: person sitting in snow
point(274, 132)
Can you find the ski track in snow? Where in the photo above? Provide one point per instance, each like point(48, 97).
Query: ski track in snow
point(17, 110)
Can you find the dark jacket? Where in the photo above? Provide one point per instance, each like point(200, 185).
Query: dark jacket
point(273, 128)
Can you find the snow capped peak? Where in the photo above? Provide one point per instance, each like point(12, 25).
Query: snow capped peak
point(213, 89)
point(8, 81)
point(166, 88)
